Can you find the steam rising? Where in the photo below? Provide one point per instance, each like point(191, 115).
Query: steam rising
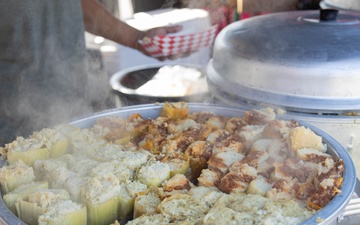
point(46, 61)
point(44, 68)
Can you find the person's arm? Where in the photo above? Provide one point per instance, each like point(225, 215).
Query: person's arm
point(100, 22)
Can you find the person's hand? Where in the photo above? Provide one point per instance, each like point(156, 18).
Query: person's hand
point(161, 31)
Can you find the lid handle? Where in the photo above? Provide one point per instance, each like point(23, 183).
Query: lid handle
point(327, 15)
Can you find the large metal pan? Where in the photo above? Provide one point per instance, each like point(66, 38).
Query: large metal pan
point(328, 215)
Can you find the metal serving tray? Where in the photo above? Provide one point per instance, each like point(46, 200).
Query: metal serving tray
point(331, 214)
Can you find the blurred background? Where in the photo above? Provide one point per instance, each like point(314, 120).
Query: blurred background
point(107, 58)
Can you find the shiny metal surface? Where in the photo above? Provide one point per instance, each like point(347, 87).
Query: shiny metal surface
point(126, 84)
point(330, 214)
point(289, 59)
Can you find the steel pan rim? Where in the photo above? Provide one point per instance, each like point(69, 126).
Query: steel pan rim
point(328, 213)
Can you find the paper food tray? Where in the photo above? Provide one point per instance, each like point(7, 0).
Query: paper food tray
point(178, 44)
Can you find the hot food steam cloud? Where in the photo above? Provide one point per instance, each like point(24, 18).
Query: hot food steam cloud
point(48, 102)
point(46, 98)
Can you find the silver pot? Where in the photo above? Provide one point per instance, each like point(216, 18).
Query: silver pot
point(175, 82)
point(329, 214)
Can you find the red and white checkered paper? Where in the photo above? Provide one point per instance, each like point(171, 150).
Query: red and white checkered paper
point(178, 44)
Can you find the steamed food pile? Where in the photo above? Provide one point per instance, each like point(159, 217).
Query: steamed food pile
point(178, 168)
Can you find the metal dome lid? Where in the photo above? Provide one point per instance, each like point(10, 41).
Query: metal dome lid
point(301, 60)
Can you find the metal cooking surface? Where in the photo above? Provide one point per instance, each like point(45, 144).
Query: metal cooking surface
point(330, 212)
point(136, 79)
point(351, 215)
point(340, 209)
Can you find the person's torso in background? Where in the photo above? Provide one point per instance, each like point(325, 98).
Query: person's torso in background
point(43, 67)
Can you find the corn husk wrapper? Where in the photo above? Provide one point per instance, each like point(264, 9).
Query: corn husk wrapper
point(128, 193)
point(14, 175)
point(43, 167)
point(38, 202)
point(121, 171)
point(101, 197)
point(153, 173)
point(29, 212)
point(146, 202)
point(29, 156)
point(180, 164)
point(126, 204)
point(83, 140)
point(57, 142)
point(22, 192)
point(59, 148)
point(103, 213)
point(58, 214)
point(95, 151)
point(73, 185)
point(57, 177)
